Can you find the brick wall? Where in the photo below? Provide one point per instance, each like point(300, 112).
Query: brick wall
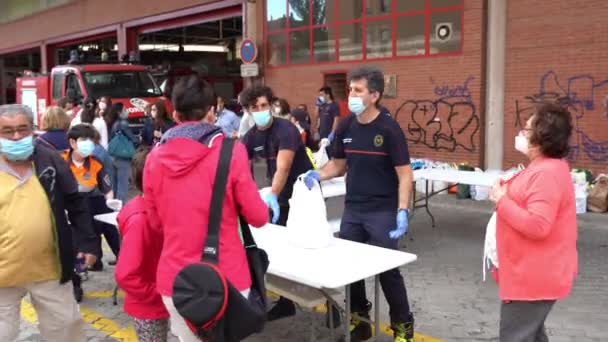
point(559, 49)
point(421, 82)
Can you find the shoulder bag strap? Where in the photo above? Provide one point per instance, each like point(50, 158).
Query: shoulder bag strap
point(211, 248)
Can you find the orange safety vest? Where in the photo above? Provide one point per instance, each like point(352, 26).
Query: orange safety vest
point(87, 174)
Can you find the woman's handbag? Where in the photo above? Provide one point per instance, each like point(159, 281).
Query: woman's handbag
point(212, 307)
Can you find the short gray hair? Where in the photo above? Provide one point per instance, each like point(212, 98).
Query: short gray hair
point(12, 110)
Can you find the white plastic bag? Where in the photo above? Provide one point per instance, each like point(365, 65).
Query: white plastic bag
point(307, 224)
point(480, 192)
point(320, 156)
point(490, 256)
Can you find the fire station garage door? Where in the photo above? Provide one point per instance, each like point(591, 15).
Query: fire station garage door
point(206, 44)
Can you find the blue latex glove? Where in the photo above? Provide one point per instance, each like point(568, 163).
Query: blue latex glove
point(273, 203)
point(331, 137)
point(402, 224)
point(310, 177)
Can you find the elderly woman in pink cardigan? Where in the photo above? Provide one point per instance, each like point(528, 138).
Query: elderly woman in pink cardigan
point(536, 228)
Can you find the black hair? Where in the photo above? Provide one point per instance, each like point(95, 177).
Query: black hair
point(83, 130)
point(192, 98)
point(89, 112)
point(551, 130)
point(327, 90)
point(249, 97)
point(374, 77)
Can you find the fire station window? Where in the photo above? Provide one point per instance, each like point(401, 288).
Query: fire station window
point(276, 15)
point(324, 44)
point(57, 86)
point(445, 3)
point(379, 39)
point(299, 47)
point(323, 12)
point(277, 54)
point(298, 13)
point(325, 31)
point(445, 32)
point(410, 35)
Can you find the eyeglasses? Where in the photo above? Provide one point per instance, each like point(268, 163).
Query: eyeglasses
point(9, 132)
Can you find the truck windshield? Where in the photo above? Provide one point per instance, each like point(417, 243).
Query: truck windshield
point(120, 84)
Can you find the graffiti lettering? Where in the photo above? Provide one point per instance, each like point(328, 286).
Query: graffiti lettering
point(445, 123)
point(579, 96)
point(441, 125)
point(460, 91)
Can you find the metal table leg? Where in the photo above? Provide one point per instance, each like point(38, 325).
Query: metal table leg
point(426, 203)
point(347, 315)
point(376, 307)
point(330, 312)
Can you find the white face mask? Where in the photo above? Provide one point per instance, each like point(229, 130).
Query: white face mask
point(521, 144)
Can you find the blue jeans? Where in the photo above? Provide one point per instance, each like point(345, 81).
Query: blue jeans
point(373, 228)
point(120, 181)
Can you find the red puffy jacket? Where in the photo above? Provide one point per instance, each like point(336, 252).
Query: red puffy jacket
point(178, 181)
point(136, 268)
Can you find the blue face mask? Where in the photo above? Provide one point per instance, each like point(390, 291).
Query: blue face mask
point(17, 150)
point(355, 105)
point(85, 147)
point(261, 118)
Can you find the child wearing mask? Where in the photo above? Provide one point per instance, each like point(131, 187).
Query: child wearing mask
point(136, 269)
point(94, 182)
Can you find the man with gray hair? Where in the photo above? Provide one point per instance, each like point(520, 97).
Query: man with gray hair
point(36, 190)
point(372, 146)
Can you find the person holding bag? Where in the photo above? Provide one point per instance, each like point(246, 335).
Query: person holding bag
point(536, 228)
point(178, 180)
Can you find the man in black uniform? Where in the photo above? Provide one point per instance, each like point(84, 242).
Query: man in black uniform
point(372, 146)
point(278, 142)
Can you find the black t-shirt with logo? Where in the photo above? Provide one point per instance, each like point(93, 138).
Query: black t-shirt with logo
point(372, 151)
point(282, 135)
point(327, 113)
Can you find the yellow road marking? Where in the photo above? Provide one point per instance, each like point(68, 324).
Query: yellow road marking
point(105, 325)
point(103, 294)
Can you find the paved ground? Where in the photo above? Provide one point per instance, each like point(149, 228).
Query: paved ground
point(446, 292)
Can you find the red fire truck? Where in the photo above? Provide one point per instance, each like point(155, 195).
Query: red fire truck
point(132, 85)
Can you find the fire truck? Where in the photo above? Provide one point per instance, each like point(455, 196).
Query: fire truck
point(130, 84)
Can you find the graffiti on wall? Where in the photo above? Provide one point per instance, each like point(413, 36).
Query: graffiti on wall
point(445, 123)
point(585, 98)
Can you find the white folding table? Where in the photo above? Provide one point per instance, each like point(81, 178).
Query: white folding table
point(338, 265)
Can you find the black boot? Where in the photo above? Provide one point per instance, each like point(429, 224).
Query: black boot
point(283, 308)
point(404, 331)
point(76, 284)
point(360, 330)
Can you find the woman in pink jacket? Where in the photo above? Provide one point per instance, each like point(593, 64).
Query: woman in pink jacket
point(536, 228)
point(178, 181)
